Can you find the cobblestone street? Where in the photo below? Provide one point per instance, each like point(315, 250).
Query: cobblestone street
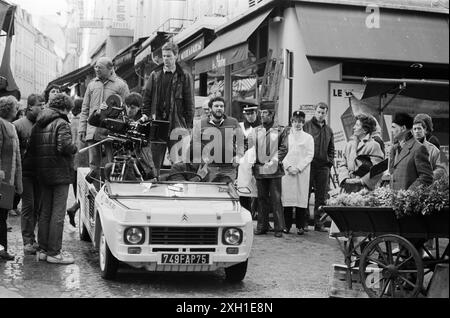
point(292, 267)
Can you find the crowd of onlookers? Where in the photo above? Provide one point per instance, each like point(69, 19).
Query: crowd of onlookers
point(275, 168)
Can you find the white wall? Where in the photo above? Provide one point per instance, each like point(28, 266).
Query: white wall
point(308, 88)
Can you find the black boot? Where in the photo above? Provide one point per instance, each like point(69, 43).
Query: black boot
point(71, 213)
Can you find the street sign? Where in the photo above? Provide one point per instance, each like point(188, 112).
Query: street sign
point(91, 24)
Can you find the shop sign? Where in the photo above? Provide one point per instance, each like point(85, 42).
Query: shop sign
point(91, 24)
point(192, 49)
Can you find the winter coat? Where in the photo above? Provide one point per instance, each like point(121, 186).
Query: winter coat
point(23, 128)
point(52, 149)
point(10, 161)
point(274, 156)
point(181, 112)
point(349, 164)
point(323, 143)
point(295, 188)
point(98, 92)
point(410, 167)
point(435, 160)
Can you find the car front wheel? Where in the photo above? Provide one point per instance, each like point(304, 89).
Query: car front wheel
point(236, 273)
point(108, 263)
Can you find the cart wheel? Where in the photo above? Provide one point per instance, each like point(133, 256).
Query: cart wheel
point(391, 267)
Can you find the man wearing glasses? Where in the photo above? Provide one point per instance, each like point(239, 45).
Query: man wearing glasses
point(30, 195)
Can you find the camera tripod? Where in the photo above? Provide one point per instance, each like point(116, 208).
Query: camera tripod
point(119, 168)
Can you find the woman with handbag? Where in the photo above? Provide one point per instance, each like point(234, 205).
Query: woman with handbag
point(10, 163)
point(360, 154)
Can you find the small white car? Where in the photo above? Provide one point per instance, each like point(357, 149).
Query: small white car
point(166, 226)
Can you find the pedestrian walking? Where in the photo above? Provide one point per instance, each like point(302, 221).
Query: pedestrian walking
point(31, 192)
point(361, 153)
point(322, 162)
point(52, 150)
point(169, 96)
point(409, 165)
point(297, 165)
point(268, 170)
point(99, 89)
point(10, 163)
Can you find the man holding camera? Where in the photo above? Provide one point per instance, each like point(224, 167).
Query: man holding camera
point(99, 89)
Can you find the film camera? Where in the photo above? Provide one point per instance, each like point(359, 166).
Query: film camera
point(131, 140)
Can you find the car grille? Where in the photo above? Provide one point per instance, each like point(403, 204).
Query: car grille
point(183, 236)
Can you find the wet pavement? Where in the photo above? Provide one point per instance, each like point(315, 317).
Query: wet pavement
point(291, 267)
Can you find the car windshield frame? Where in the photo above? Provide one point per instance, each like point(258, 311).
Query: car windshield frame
point(173, 190)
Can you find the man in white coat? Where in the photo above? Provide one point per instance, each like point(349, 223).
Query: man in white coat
point(297, 164)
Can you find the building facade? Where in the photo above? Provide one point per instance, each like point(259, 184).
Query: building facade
point(33, 58)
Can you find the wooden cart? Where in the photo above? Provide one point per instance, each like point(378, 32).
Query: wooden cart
point(396, 253)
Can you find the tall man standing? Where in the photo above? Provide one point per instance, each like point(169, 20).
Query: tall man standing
point(323, 160)
point(268, 170)
point(99, 89)
point(169, 96)
point(31, 192)
point(409, 165)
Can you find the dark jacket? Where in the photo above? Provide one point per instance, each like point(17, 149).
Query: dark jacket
point(323, 143)
point(433, 140)
point(52, 149)
point(277, 152)
point(181, 112)
point(411, 167)
point(236, 148)
point(23, 128)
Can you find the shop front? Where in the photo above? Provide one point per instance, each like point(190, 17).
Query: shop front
point(329, 48)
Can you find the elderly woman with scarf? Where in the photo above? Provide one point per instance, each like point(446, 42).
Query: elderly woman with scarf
point(360, 154)
point(10, 163)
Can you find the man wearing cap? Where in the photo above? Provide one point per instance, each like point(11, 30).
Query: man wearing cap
point(268, 170)
point(222, 163)
point(106, 83)
point(31, 191)
point(409, 165)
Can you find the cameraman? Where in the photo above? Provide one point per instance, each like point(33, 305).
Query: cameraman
point(132, 106)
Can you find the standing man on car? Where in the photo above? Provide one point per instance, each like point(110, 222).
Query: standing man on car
point(169, 96)
point(99, 89)
point(323, 160)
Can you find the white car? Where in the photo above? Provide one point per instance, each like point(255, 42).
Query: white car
point(166, 226)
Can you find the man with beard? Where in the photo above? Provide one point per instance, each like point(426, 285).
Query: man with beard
point(223, 162)
point(31, 193)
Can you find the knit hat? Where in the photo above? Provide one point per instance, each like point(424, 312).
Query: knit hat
point(268, 105)
point(426, 119)
point(403, 119)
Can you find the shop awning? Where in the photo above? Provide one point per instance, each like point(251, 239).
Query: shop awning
point(420, 89)
point(74, 76)
point(230, 47)
point(334, 32)
point(128, 54)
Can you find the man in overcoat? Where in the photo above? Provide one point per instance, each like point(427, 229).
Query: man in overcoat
point(409, 165)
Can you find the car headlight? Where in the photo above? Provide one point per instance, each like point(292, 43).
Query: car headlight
point(232, 236)
point(134, 236)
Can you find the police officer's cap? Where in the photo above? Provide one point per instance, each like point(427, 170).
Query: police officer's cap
point(298, 114)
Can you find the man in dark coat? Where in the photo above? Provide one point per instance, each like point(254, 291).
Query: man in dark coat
point(268, 169)
point(52, 151)
point(169, 96)
point(409, 165)
point(31, 192)
point(323, 159)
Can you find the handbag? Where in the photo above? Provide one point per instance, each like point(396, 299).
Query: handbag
point(7, 193)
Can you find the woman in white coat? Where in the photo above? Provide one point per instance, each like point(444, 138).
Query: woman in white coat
point(297, 164)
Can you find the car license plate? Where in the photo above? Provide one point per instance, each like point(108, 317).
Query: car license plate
point(202, 259)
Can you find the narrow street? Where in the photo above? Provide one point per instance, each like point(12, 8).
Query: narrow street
point(291, 267)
